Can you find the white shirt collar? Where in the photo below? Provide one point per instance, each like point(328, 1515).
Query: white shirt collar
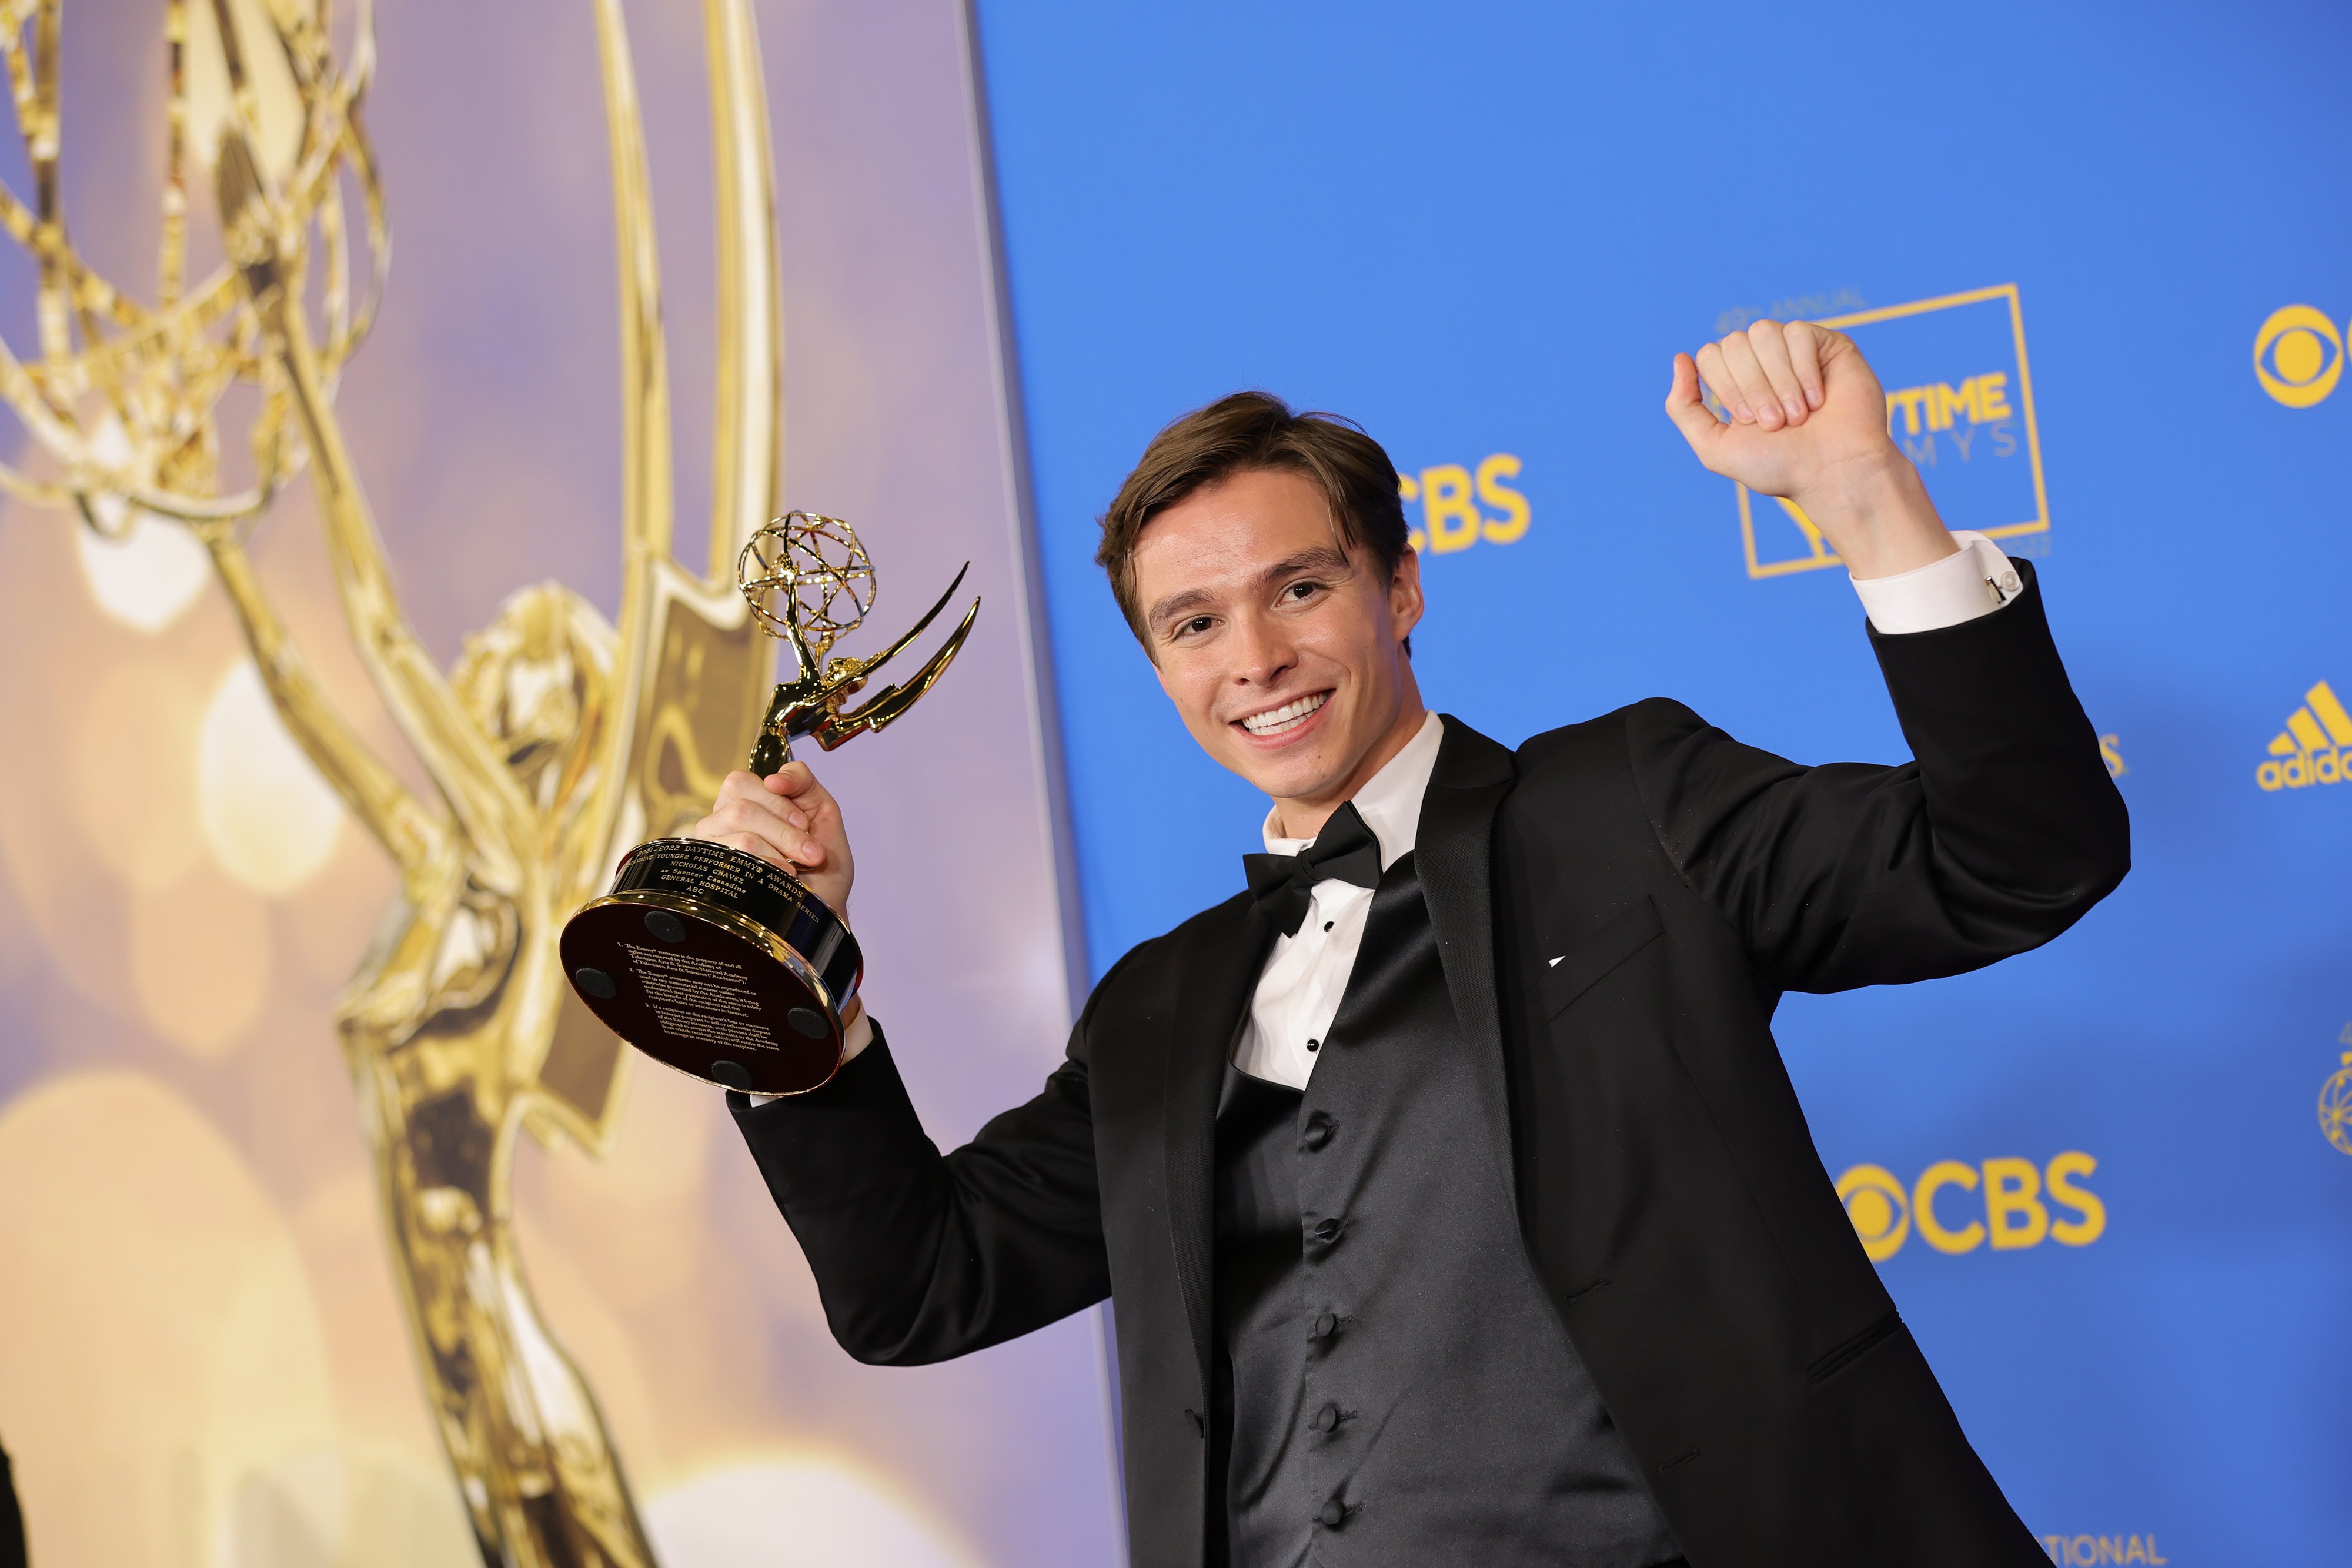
point(1390, 801)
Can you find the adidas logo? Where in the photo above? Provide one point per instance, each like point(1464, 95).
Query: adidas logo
point(2309, 749)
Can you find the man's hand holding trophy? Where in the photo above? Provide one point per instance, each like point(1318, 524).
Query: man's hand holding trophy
point(727, 954)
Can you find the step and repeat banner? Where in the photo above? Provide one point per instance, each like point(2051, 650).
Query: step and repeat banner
point(2099, 259)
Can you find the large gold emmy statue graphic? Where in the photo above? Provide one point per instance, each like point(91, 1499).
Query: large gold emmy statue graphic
point(557, 742)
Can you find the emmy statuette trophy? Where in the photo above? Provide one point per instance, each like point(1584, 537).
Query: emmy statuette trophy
point(714, 961)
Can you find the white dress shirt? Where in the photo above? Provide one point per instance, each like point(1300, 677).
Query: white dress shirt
point(1298, 991)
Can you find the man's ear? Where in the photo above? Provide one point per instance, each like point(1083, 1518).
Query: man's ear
point(1405, 604)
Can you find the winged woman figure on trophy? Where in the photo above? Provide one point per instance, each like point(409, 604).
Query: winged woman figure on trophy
point(558, 741)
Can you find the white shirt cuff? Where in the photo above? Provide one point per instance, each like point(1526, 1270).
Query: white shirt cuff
point(1977, 581)
point(860, 1036)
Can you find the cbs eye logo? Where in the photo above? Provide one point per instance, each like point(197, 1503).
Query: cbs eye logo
point(2018, 1204)
point(2298, 356)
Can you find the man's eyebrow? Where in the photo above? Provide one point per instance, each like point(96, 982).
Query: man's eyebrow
point(1177, 604)
point(1322, 558)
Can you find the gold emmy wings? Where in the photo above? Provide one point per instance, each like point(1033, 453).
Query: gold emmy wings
point(559, 739)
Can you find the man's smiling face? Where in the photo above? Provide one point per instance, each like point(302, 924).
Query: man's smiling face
point(1283, 649)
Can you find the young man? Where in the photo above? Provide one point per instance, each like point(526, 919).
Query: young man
point(1449, 1191)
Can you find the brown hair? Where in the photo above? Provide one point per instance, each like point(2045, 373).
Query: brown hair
point(1246, 432)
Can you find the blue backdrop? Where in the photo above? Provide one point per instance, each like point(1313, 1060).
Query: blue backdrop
point(2099, 1178)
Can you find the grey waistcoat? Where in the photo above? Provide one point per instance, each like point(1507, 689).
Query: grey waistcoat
point(1393, 1388)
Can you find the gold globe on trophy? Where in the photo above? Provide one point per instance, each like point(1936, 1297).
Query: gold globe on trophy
point(712, 960)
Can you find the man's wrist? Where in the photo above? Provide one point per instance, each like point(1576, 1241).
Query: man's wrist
point(857, 1030)
point(856, 1034)
point(1877, 515)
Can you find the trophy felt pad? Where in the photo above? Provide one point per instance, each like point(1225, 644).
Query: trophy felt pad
point(718, 964)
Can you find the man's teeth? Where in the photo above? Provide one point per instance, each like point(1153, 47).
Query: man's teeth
point(1286, 718)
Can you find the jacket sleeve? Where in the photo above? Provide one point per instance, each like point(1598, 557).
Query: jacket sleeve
point(1999, 834)
point(919, 1257)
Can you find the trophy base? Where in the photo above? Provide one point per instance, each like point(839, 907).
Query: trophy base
point(714, 962)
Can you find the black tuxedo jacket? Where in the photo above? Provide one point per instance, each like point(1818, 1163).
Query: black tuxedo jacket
point(1619, 905)
point(12, 1521)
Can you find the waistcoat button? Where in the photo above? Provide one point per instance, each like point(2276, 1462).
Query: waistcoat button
point(1326, 1326)
point(1334, 1514)
point(1327, 1418)
point(1326, 1230)
point(1318, 1131)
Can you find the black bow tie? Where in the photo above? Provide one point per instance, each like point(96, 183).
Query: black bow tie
point(1284, 885)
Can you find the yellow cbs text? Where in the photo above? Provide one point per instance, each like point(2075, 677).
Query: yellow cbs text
point(1956, 1208)
point(1450, 497)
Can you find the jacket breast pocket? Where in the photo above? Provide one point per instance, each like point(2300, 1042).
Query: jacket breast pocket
point(1590, 957)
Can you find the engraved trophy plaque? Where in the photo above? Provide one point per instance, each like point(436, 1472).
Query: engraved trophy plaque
point(714, 961)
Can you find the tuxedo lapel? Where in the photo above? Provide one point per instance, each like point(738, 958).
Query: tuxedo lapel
point(1454, 858)
point(1215, 980)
